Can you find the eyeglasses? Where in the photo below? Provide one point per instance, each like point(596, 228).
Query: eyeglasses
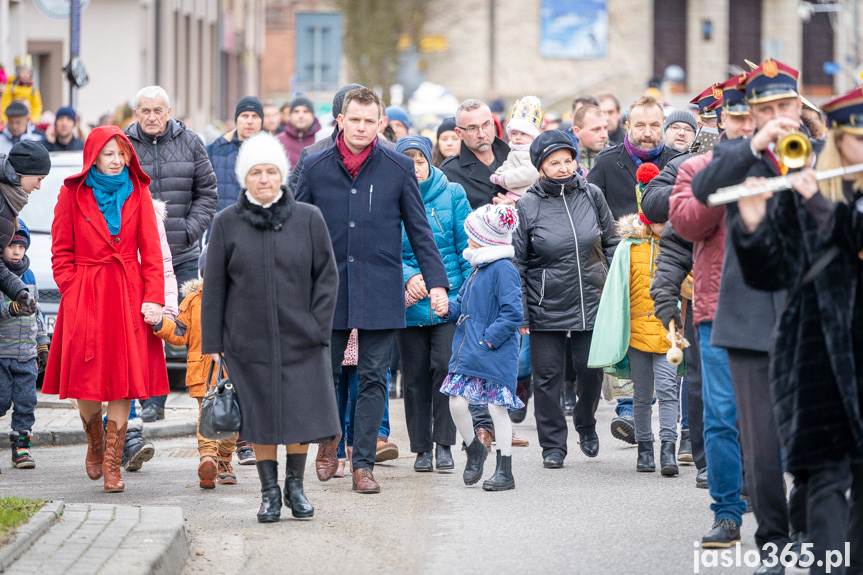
point(685, 128)
point(474, 129)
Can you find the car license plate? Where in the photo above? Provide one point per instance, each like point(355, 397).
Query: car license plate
point(50, 321)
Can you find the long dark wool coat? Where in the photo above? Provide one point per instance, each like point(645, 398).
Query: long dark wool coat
point(268, 303)
point(815, 379)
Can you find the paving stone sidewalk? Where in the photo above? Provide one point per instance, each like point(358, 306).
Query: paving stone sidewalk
point(58, 423)
point(101, 538)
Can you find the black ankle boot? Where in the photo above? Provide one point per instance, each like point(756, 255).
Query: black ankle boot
point(645, 457)
point(668, 459)
point(476, 454)
point(295, 499)
point(502, 479)
point(271, 495)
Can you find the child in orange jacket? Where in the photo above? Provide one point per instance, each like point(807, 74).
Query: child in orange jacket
point(215, 455)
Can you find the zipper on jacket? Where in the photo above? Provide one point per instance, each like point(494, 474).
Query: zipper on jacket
point(577, 259)
point(465, 315)
point(542, 289)
point(371, 191)
point(156, 159)
point(434, 215)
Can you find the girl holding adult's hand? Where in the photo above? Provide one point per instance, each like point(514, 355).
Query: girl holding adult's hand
point(103, 349)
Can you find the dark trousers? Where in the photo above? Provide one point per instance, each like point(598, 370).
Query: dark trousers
point(833, 518)
point(375, 352)
point(426, 352)
point(183, 272)
point(548, 364)
point(759, 440)
point(694, 403)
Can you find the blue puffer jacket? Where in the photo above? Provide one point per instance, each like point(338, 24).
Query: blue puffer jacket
point(487, 314)
point(223, 155)
point(446, 208)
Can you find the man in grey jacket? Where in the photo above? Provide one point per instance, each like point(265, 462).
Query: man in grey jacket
point(181, 175)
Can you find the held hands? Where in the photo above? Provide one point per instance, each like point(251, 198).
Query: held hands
point(771, 132)
point(416, 287)
point(439, 301)
point(753, 209)
point(152, 312)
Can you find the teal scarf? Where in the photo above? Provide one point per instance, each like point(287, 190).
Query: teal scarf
point(111, 192)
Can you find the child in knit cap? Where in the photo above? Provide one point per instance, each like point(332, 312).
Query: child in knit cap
point(517, 173)
point(484, 364)
point(23, 353)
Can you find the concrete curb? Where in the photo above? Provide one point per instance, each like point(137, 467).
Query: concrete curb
point(76, 435)
point(157, 545)
point(28, 533)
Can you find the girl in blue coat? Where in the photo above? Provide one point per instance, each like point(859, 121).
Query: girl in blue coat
point(484, 363)
point(427, 339)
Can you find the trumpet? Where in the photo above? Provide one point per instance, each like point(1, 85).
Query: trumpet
point(793, 150)
point(778, 184)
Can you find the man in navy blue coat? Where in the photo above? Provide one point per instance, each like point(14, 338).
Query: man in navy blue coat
point(366, 192)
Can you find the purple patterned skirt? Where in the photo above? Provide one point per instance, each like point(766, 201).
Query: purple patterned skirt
point(480, 391)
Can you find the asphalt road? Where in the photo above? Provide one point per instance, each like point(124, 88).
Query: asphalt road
point(593, 516)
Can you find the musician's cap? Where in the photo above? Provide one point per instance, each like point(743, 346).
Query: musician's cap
point(707, 101)
point(846, 111)
point(734, 96)
point(772, 80)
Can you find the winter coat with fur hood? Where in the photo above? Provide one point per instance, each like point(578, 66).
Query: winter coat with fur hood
point(186, 330)
point(102, 349)
point(563, 245)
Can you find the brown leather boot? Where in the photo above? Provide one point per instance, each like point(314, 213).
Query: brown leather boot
point(114, 440)
point(364, 481)
point(327, 462)
point(95, 445)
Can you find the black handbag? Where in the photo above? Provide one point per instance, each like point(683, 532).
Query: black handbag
point(220, 412)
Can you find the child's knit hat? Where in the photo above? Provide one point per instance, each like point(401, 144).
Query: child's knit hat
point(22, 234)
point(492, 225)
point(526, 116)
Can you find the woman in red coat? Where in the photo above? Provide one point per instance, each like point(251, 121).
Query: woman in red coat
point(103, 350)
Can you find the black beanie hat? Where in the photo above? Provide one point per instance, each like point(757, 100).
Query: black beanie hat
point(448, 125)
point(249, 104)
point(30, 158)
point(339, 98)
point(549, 142)
point(302, 101)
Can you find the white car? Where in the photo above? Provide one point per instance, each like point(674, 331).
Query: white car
point(38, 214)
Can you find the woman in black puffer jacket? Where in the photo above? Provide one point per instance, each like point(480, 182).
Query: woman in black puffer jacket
point(563, 243)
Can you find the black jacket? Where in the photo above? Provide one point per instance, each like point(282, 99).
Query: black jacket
point(614, 174)
point(673, 264)
point(745, 317)
point(181, 176)
point(320, 146)
point(464, 168)
point(10, 284)
point(616, 137)
point(563, 245)
point(654, 199)
point(815, 375)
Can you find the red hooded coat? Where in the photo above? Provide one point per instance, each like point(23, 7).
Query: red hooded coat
point(102, 349)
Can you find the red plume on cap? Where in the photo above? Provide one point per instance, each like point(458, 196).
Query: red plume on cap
point(646, 172)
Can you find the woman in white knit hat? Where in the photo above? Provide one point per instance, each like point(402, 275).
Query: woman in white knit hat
point(271, 285)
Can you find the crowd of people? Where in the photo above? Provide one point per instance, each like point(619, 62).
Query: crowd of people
point(507, 260)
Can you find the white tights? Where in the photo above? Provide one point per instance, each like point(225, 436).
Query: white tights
point(459, 407)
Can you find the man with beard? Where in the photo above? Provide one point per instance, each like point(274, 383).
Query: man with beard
point(680, 128)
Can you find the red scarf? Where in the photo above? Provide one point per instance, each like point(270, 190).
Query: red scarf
point(353, 162)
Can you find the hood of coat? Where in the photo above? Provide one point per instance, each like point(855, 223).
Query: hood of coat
point(629, 226)
point(94, 144)
point(434, 186)
point(161, 209)
point(8, 175)
point(190, 286)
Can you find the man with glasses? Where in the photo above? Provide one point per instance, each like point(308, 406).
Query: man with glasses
point(480, 155)
point(680, 128)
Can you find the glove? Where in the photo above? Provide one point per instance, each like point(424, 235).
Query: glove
point(666, 311)
point(42, 358)
point(497, 179)
point(24, 304)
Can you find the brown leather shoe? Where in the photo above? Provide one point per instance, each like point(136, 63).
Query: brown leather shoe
point(95, 446)
point(484, 437)
point(327, 463)
point(519, 441)
point(364, 481)
point(386, 450)
point(114, 440)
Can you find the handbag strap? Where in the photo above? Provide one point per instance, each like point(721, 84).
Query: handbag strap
point(222, 367)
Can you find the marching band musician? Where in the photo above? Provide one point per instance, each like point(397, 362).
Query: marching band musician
point(815, 381)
